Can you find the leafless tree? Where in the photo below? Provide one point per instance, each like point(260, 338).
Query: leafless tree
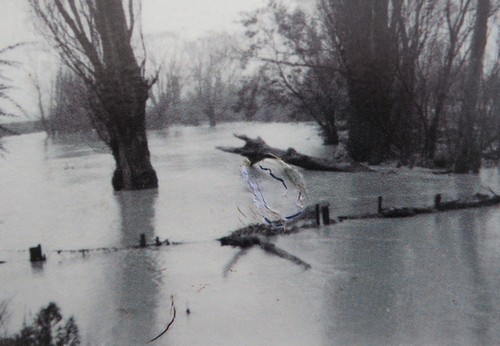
point(70, 109)
point(6, 86)
point(299, 65)
point(166, 94)
point(93, 39)
point(212, 74)
point(362, 32)
point(468, 153)
point(397, 64)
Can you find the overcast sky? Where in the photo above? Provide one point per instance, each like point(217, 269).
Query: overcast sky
point(188, 18)
point(193, 18)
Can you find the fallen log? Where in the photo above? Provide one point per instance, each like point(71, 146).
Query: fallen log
point(404, 212)
point(256, 149)
point(476, 201)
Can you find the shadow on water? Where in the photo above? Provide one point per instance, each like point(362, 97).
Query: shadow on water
point(134, 277)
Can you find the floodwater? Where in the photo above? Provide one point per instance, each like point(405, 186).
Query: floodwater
point(428, 280)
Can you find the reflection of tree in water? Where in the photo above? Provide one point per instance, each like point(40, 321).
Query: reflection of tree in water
point(361, 307)
point(365, 301)
point(137, 211)
point(482, 300)
point(135, 279)
point(424, 280)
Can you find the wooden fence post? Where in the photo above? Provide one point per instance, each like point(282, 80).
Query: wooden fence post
point(36, 254)
point(437, 201)
point(325, 211)
point(316, 214)
point(380, 205)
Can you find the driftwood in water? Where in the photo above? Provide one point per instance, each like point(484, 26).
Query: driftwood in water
point(255, 235)
point(251, 235)
point(258, 234)
point(476, 201)
point(255, 149)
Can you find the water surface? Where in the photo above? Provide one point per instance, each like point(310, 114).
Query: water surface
point(431, 279)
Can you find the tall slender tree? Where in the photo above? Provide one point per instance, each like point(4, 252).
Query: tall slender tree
point(213, 74)
point(93, 38)
point(366, 41)
point(468, 154)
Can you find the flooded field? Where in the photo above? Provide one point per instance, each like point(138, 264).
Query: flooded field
point(430, 279)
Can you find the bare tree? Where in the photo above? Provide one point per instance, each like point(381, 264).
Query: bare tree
point(489, 113)
point(70, 109)
point(392, 68)
point(457, 32)
point(212, 74)
point(468, 154)
point(363, 35)
point(413, 23)
point(35, 80)
point(299, 65)
point(166, 94)
point(94, 40)
point(6, 87)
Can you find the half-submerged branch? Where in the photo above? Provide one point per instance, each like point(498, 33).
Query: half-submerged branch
point(256, 149)
point(256, 234)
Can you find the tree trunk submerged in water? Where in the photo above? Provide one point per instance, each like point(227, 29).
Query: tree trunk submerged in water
point(369, 58)
point(94, 41)
point(125, 105)
point(133, 167)
point(468, 155)
point(123, 92)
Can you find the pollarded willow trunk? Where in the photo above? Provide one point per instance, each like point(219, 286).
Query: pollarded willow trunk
point(133, 166)
point(129, 145)
point(94, 39)
point(123, 92)
point(125, 105)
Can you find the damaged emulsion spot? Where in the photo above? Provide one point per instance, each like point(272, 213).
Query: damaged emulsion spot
point(279, 195)
point(278, 190)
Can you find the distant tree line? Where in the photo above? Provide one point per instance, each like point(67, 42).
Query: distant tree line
point(201, 81)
